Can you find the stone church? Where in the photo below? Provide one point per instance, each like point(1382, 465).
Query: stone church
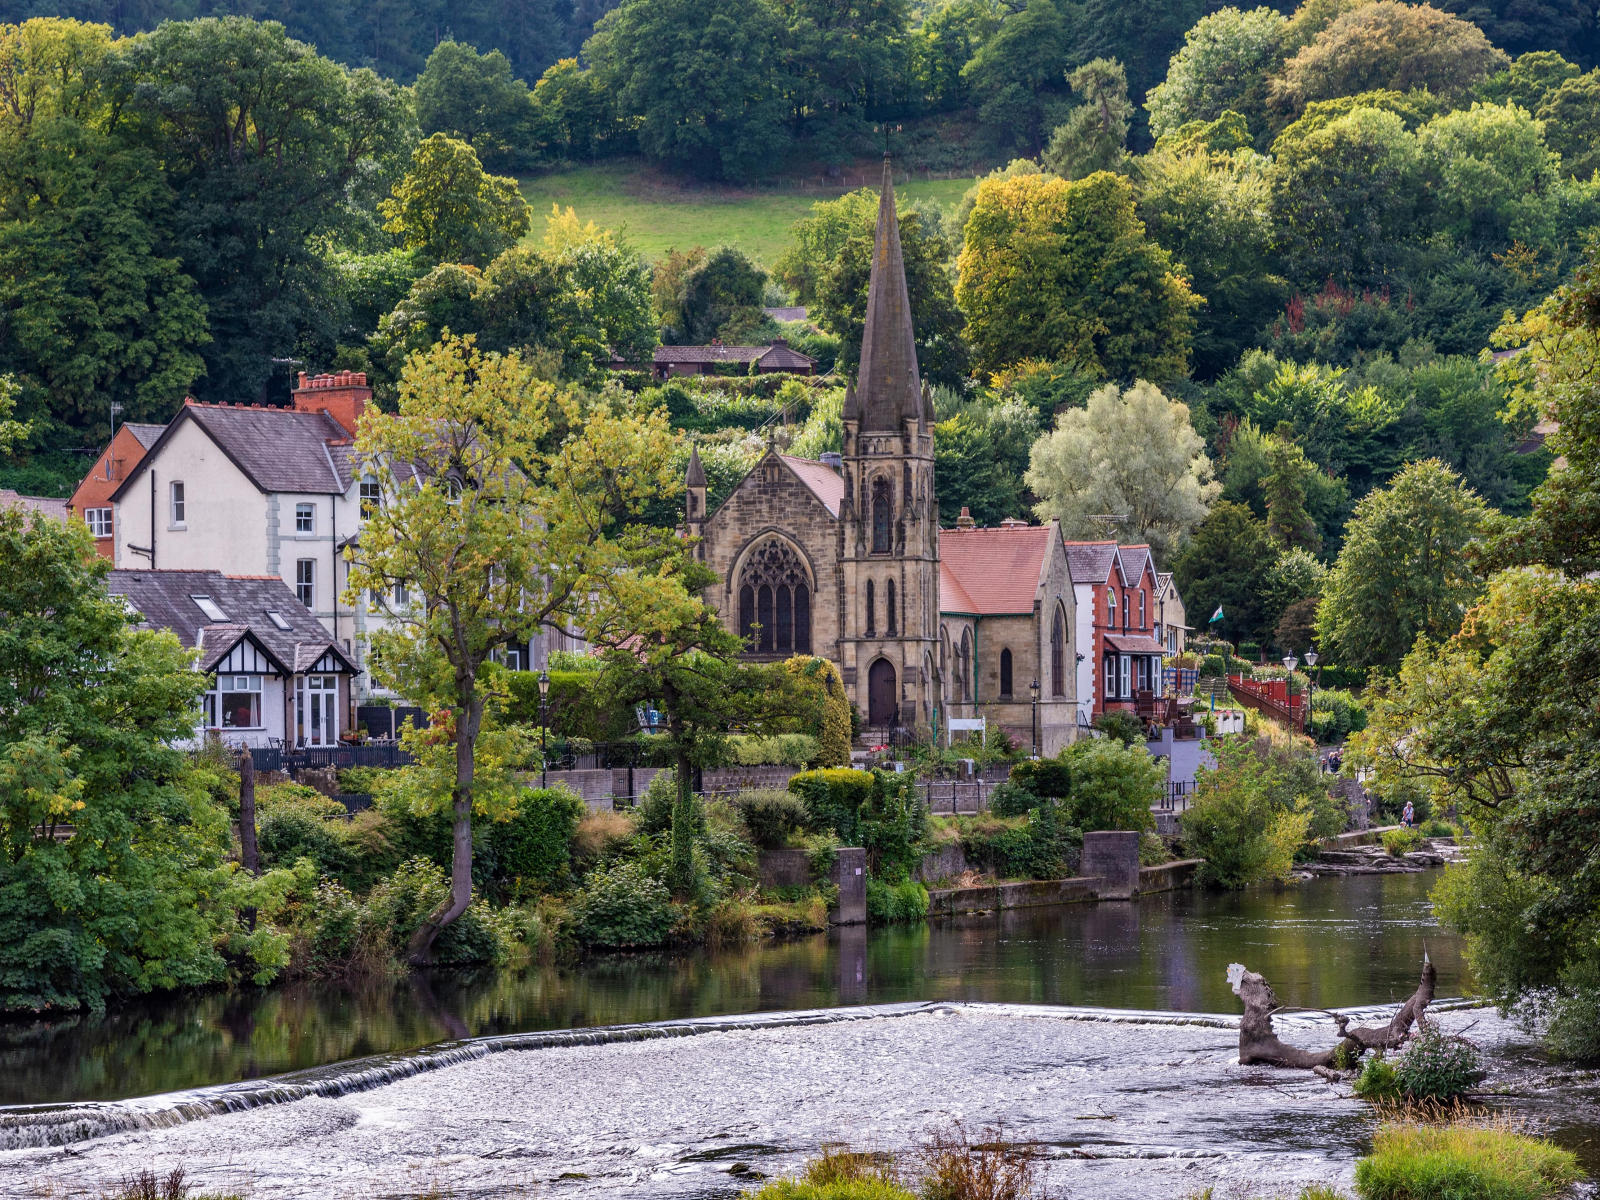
point(840, 557)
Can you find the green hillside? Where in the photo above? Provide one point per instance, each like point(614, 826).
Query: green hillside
point(657, 214)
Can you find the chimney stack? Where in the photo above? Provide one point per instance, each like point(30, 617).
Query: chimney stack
point(343, 396)
point(965, 521)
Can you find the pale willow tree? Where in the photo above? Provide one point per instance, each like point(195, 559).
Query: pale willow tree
point(497, 527)
point(1133, 455)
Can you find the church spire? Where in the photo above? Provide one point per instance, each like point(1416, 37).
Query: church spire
point(890, 391)
point(695, 477)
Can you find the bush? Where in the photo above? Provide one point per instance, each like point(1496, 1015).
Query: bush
point(1012, 799)
point(1038, 845)
point(1413, 1160)
point(832, 723)
point(1153, 851)
point(623, 905)
point(1377, 1081)
point(400, 903)
point(833, 798)
point(771, 816)
point(851, 1189)
point(1250, 651)
point(1335, 714)
point(534, 847)
point(1437, 1066)
point(655, 806)
point(1113, 785)
point(1398, 842)
point(888, 903)
point(363, 781)
point(1121, 727)
point(779, 750)
point(893, 825)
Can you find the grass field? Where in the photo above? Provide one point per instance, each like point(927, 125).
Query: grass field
point(656, 213)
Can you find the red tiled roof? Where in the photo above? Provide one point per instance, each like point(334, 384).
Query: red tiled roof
point(953, 597)
point(825, 483)
point(996, 570)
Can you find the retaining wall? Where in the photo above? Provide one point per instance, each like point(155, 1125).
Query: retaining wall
point(1170, 876)
point(1033, 893)
point(944, 863)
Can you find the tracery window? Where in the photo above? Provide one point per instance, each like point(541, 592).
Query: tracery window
point(882, 515)
point(775, 594)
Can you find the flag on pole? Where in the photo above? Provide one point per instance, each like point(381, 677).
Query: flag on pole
point(1216, 616)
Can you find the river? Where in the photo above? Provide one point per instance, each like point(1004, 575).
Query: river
point(1321, 943)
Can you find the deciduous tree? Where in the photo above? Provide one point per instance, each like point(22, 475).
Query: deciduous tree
point(495, 526)
point(475, 97)
point(449, 209)
point(1225, 566)
point(1094, 137)
point(1131, 453)
point(1403, 572)
point(1224, 65)
point(1064, 271)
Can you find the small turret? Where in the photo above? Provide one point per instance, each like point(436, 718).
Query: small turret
point(694, 501)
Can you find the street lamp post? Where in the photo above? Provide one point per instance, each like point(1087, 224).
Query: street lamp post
point(1290, 662)
point(1311, 661)
point(1034, 689)
point(544, 721)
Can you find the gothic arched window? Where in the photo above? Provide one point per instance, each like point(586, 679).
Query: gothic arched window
point(872, 614)
point(1058, 655)
point(889, 606)
point(882, 515)
point(775, 592)
point(1005, 672)
point(965, 681)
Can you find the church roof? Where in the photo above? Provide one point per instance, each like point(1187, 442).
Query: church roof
point(888, 390)
point(825, 483)
point(992, 571)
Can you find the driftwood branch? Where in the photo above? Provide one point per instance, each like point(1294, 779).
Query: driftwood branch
point(1260, 1044)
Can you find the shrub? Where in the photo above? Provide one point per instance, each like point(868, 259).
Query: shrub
point(1398, 842)
point(888, 903)
point(1113, 785)
point(1042, 777)
point(1000, 845)
point(1153, 851)
point(1377, 1081)
point(1012, 799)
point(1574, 1030)
point(771, 816)
point(1335, 714)
point(782, 750)
point(853, 1189)
point(1121, 727)
point(655, 806)
point(893, 825)
point(534, 847)
point(1438, 829)
point(623, 905)
point(1461, 1160)
point(1249, 650)
point(833, 798)
point(400, 903)
point(1437, 1066)
point(365, 781)
point(830, 717)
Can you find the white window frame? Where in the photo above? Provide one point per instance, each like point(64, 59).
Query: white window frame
point(177, 505)
point(1141, 609)
point(305, 582)
point(369, 495)
point(305, 517)
point(99, 521)
point(1111, 607)
point(1124, 666)
point(235, 685)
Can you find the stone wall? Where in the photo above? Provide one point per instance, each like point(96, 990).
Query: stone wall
point(1031, 894)
point(784, 868)
point(947, 862)
point(1113, 856)
point(1169, 877)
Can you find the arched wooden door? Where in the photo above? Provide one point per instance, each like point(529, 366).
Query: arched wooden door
point(883, 701)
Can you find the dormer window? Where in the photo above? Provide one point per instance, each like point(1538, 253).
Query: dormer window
point(209, 606)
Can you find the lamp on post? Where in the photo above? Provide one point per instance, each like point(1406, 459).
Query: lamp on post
point(1290, 662)
point(544, 720)
point(1311, 661)
point(1033, 689)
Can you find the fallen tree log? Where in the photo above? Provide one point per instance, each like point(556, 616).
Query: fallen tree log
point(1260, 1044)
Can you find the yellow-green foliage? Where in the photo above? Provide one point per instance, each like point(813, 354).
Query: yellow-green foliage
point(853, 1189)
point(781, 749)
point(833, 725)
point(1462, 1160)
point(1398, 841)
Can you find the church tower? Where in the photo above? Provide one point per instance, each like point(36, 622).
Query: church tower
point(889, 522)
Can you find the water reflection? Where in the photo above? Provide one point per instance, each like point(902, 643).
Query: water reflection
point(1328, 942)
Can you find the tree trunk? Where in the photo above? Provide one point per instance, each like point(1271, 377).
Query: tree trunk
point(249, 855)
point(1258, 1043)
point(419, 953)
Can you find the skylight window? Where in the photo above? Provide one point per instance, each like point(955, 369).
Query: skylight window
point(208, 606)
point(277, 619)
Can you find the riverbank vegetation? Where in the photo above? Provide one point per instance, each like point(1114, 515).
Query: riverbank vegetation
point(1466, 1158)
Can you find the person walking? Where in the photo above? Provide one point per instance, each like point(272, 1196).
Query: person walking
point(1408, 815)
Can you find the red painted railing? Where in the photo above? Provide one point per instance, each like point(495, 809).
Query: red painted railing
point(1270, 697)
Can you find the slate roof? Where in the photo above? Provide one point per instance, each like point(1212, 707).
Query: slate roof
point(779, 356)
point(47, 506)
point(277, 449)
point(1091, 562)
point(1134, 561)
point(147, 434)
point(825, 483)
point(889, 388)
point(163, 599)
point(995, 570)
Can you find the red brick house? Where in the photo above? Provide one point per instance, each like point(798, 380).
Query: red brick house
point(92, 500)
point(1116, 592)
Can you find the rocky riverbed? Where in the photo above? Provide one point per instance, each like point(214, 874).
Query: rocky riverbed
point(1123, 1104)
point(1375, 860)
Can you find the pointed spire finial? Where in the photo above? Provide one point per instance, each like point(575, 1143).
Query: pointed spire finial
point(852, 411)
point(695, 476)
point(890, 388)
